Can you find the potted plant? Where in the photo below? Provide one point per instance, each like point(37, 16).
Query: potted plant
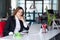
point(50, 18)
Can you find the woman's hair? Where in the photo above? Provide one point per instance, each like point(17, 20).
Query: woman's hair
point(17, 9)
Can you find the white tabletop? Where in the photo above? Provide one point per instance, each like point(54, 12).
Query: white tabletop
point(35, 34)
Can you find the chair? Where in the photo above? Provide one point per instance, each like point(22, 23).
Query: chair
point(2, 25)
point(54, 25)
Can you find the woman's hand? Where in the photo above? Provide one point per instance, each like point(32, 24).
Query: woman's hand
point(22, 18)
point(10, 33)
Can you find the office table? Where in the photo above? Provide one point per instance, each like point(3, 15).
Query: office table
point(35, 35)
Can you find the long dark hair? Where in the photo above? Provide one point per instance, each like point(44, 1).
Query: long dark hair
point(17, 9)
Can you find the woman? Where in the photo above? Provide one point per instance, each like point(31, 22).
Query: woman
point(16, 22)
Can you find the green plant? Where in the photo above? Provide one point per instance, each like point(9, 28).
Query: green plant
point(18, 35)
point(49, 19)
point(54, 16)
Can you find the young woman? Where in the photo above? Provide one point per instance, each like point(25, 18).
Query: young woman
point(16, 23)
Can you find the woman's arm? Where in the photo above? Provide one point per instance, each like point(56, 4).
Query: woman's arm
point(6, 29)
point(25, 24)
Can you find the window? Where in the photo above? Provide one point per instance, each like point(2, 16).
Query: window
point(38, 9)
point(21, 3)
point(48, 4)
point(29, 11)
point(55, 4)
point(38, 5)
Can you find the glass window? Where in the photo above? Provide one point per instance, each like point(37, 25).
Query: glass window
point(28, 5)
point(38, 5)
point(55, 4)
point(21, 3)
point(29, 14)
point(38, 9)
point(48, 4)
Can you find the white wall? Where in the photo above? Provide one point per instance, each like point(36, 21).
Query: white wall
point(13, 4)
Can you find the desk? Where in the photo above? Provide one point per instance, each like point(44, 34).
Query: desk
point(54, 24)
point(36, 36)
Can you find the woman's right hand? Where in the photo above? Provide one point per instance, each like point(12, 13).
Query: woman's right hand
point(22, 18)
point(10, 33)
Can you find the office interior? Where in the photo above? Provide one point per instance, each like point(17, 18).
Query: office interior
point(35, 11)
point(32, 8)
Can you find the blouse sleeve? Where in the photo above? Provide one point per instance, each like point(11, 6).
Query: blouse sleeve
point(25, 24)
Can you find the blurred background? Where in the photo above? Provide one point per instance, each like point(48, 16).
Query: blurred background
point(35, 10)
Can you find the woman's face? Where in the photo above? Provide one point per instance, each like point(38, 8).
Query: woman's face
point(20, 12)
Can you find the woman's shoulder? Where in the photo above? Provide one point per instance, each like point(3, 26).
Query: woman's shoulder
point(11, 17)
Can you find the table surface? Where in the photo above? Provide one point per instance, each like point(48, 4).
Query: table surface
point(34, 33)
